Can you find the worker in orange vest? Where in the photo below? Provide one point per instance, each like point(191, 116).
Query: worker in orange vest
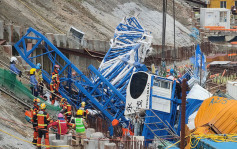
point(67, 111)
point(56, 74)
point(34, 112)
point(54, 89)
point(62, 102)
point(43, 120)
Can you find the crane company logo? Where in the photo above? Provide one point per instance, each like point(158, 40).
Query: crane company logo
point(129, 107)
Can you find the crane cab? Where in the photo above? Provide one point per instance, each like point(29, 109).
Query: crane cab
point(152, 92)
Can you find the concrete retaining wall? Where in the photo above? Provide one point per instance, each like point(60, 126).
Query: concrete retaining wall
point(1, 29)
point(7, 50)
point(12, 34)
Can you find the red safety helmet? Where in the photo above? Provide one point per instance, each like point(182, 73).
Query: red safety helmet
point(74, 73)
point(56, 66)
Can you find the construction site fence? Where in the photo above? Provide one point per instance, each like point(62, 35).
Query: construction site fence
point(9, 81)
point(185, 52)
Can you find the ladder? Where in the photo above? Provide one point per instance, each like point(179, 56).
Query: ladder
point(156, 126)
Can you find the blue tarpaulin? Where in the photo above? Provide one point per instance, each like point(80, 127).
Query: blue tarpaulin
point(209, 144)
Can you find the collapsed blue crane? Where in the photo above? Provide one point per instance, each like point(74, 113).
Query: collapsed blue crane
point(106, 88)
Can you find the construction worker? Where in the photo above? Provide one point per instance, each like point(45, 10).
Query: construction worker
point(45, 98)
point(67, 111)
point(56, 74)
point(33, 82)
point(83, 104)
point(178, 86)
point(62, 102)
point(81, 126)
point(43, 120)
point(39, 78)
point(13, 68)
point(171, 75)
point(56, 69)
point(34, 112)
point(62, 126)
point(53, 89)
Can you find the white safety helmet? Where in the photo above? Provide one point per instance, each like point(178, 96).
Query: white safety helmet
point(13, 59)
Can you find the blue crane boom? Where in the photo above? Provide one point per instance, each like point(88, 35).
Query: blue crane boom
point(105, 89)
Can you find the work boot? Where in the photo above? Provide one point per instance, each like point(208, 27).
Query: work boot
point(35, 142)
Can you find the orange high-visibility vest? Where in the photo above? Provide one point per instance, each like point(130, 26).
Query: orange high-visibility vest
point(34, 112)
point(69, 109)
point(43, 119)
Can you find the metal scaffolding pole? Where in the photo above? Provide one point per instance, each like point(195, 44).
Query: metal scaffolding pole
point(163, 38)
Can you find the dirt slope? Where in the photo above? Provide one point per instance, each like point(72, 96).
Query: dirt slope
point(12, 111)
point(97, 18)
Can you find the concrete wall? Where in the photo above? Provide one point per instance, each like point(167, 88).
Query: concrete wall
point(1, 29)
point(13, 33)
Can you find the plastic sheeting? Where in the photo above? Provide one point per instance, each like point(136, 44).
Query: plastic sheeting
point(231, 88)
point(218, 115)
point(191, 124)
point(209, 144)
point(194, 100)
point(9, 81)
point(197, 92)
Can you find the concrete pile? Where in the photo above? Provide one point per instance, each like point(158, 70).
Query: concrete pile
point(95, 140)
point(65, 141)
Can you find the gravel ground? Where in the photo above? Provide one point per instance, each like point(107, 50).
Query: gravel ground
point(11, 110)
point(97, 19)
point(150, 20)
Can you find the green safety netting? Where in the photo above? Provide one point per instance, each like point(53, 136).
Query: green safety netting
point(9, 81)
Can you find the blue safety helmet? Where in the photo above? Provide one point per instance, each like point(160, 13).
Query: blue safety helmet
point(171, 71)
point(38, 66)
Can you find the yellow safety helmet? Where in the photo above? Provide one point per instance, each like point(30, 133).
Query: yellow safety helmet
point(43, 106)
point(79, 112)
point(63, 100)
point(32, 70)
point(54, 77)
point(83, 104)
point(36, 100)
